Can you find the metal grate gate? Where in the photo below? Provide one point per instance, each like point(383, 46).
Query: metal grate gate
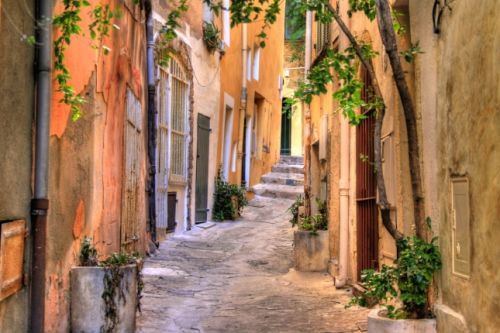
point(366, 190)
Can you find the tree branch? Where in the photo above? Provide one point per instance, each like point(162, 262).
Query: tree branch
point(388, 35)
point(383, 203)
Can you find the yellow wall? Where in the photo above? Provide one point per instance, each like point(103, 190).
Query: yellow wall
point(266, 90)
point(294, 73)
point(459, 99)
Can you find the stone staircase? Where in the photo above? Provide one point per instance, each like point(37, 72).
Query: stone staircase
point(286, 179)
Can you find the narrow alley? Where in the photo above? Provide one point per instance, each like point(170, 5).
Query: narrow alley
point(238, 276)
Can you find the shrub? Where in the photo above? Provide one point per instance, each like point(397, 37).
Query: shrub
point(407, 282)
point(224, 208)
point(309, 223)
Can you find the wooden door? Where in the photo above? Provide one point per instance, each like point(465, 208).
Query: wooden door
point(172, 204)
point(203, 147)
point(129, 229)
point(286, 129)
point(366, 191)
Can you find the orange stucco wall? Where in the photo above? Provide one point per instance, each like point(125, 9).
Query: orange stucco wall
point(87, 157)
point(266, 89)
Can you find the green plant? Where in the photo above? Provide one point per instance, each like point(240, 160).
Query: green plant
point(113, 285)
point(407, 282)
point(112, 280)
point(211, 37)
point(294, 209)
point(309, 223)
point(224, 208)
point(88, 253)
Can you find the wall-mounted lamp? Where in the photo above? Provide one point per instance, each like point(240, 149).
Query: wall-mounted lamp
point(437, 13)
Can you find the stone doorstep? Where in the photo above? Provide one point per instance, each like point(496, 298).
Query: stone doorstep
point(206, 225)
point(285, 168)
point(283, 179)
point(292, 160)
point(277, 191)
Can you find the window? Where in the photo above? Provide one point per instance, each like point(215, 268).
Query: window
point(322, 36)
point(256, 64)
point(249, 64)
point(226, 22)
point(178, 100)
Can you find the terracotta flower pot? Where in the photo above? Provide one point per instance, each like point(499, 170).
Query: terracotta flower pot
point(380, 324)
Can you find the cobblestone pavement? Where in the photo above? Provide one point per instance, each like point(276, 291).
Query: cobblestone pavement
point(238, 277)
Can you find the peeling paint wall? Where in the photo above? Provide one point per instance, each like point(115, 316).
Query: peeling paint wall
point(87, 156)
point(16, 121)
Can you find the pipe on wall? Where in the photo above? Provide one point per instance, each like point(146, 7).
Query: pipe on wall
point(344, 189)
point(307, 119)
point(341, 279)
point(40, 201)
point(244, 97)
point(152, 126)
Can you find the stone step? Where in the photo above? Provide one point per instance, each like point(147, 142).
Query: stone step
point(284, 159)
point(288, 168)
point(290, 179)
point(278, 191)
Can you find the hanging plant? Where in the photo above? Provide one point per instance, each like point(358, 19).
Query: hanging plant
point(211, 37)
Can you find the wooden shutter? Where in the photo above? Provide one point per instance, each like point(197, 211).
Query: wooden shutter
point(322, 36)
point(12, 237)
point(162, 148)
point(133, 129)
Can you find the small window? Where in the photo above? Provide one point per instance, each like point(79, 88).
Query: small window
point(249, 64)
point(179, 129)
point(322, 36)
point(226, 22)
point(460, 216)
point(256, 64)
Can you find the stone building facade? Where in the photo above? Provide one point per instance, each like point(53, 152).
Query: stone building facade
point(455, 93)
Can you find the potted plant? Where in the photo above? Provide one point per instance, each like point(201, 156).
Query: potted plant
point(211, 37)
point(229, 200)
point(402, 289)
point(310, 241)
point(105, 294)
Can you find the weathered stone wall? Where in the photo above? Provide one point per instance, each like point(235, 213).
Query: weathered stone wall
point(16, 121)
point(467, 137)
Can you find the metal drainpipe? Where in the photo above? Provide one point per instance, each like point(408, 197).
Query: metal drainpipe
point(244, 93)
point(40, 201)
point(151, 120)
point(307, 119)
point(344, 189)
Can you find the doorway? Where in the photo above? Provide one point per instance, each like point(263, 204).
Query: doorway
point(366, 189)
point(286, 128)
point(202, 153)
